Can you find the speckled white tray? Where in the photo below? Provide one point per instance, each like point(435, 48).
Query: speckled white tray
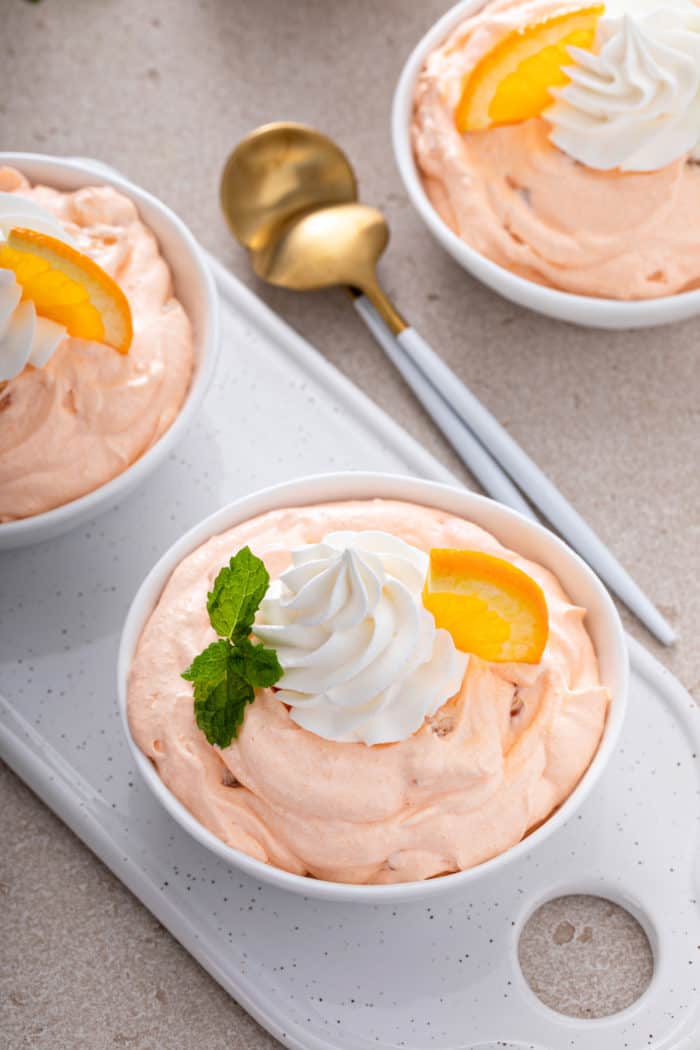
point(330, 977)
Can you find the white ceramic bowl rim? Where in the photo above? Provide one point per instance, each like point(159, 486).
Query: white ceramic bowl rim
point(52, 522)
point(603, 312)
point(333, 487)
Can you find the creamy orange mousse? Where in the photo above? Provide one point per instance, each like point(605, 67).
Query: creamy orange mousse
point(85, 416)
point(511, 194)
point(507, 745)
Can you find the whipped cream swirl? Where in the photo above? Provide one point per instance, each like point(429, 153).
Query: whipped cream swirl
point(25, 338)
point(363, 660)
point(633, 103)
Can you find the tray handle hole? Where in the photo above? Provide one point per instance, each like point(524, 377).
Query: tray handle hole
point(585, 956)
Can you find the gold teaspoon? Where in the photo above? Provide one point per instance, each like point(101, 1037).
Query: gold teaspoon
point(289, 195)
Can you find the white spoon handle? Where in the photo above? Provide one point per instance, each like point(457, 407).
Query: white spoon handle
point(482, 465)
point(536, 485)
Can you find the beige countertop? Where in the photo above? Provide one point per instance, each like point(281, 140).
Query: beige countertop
point(162, 91)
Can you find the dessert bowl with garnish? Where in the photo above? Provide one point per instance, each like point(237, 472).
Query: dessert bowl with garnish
point(371, 688)
point(108, 339)
point(553, 148)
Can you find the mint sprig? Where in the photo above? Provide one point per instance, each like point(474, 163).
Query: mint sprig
point(238, 590)
point(227, 673)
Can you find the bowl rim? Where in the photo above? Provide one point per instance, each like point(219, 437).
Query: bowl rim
point(554, 302)
point(58, 519)
point(332, 487)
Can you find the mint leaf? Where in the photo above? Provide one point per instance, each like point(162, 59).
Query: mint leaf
point(238, 591)
point(208, 670)
point(257, 664)
point(227, 673)
point(219, 713)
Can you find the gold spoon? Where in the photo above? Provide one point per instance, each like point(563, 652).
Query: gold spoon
point(278, 172)
point(333, 246)
point(289, 194)
point(278, 190)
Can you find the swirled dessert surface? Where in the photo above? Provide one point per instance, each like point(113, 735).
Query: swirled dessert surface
point(85, 416)
point(492, 763)
point(511, 194)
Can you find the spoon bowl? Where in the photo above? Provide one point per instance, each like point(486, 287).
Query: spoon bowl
point(280, 171)
point(289, 195)
point(331, 246)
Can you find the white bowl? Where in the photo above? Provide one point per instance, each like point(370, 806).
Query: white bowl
point(194, 287)
point(564, 306)
point(514, 531)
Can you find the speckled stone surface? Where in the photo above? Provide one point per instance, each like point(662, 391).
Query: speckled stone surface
point(163, 91)
point(560, 956)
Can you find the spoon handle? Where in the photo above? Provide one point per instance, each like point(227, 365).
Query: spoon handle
point(482, 465)
point(533, 482)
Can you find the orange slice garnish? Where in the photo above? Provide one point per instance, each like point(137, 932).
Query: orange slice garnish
point(490, 607)
point(66, 286)
point(513, 81)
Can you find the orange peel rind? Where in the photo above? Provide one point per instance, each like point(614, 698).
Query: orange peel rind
point(490, 607)
point(68, 287)
point(513, 81)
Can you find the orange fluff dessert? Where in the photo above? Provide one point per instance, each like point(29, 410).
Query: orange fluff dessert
point(560, 140)
point(96, 355)
point(366, 692)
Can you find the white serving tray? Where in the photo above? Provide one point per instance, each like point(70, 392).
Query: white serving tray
point(325, 976)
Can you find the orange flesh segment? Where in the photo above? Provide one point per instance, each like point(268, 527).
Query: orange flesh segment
point(489, 606)
point(513, 82)
point(66, 286)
